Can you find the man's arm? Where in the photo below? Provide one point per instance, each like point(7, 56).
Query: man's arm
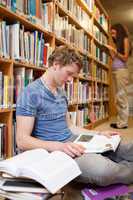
point(26, 141)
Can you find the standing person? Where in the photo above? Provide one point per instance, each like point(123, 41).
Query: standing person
point(43, 122)
point(120, 74)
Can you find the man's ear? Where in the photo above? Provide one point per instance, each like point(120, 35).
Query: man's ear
point(56, 65)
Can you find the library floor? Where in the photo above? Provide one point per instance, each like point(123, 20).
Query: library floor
point(73, 190)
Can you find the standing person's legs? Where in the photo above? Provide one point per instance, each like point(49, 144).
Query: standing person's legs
point(100, 170)
point(121, 82)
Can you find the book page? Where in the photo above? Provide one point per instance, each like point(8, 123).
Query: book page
point(53, 172)
point(12, 165)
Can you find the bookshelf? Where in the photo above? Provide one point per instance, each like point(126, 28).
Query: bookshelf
point(29, 32)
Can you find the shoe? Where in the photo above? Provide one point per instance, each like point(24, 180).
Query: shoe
point(114, 125)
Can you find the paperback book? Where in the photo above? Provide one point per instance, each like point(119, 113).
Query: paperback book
point(101, 193)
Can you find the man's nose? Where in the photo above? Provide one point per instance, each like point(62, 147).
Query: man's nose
point(70, 78)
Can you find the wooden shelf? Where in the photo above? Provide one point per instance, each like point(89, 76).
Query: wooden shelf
point(5, 60)
point(85, 7)
point(63, 41)
point(101, 63)
point(9, 66)
point(5, 110)
point(26, 65)
point(72, 19)
point(98, 122)
point(100, 27)
point(12, 17)
point(84, 78)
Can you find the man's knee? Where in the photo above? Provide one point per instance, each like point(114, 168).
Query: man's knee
point(97, 169)
point(99, 177)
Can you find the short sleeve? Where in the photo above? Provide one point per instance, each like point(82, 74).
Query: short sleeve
point(27, 103)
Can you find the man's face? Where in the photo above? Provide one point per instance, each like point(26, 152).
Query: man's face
point(65, 73)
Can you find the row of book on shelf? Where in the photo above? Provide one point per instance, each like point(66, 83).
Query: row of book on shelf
point(30, 47)
point(34, 10)
point(41, 13)
point(27, 41)
point(79, 14)
point(83, 116)
point(25, 46)
point(4, 140)
point(85, 92)
point(76, 91)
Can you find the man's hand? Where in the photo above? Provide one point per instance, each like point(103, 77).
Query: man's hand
point(70, 148)
point(109, 133)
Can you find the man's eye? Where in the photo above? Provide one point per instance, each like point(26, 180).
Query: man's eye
point(70, 74)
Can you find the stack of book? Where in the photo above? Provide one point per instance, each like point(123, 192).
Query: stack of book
point(23, 189)
point(36, 174)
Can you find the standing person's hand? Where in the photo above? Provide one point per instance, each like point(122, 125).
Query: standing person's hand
point(112, 51)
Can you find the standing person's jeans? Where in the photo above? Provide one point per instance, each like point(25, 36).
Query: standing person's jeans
point(120, 80)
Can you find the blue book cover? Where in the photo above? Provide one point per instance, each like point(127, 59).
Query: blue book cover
point(32, 7)
point(13, 5)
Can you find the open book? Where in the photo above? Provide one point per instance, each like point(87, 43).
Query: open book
point(52, 170)
point(98, 143)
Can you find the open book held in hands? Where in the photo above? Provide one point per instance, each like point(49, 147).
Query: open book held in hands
point(52, 170)
point(98, 143)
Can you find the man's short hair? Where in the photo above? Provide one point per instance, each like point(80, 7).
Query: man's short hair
point(65, 56)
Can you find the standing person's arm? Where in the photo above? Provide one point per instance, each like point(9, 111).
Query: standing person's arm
point(115, 53)
point(124, 57)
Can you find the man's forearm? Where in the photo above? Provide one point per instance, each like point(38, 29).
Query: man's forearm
point(29, 142)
